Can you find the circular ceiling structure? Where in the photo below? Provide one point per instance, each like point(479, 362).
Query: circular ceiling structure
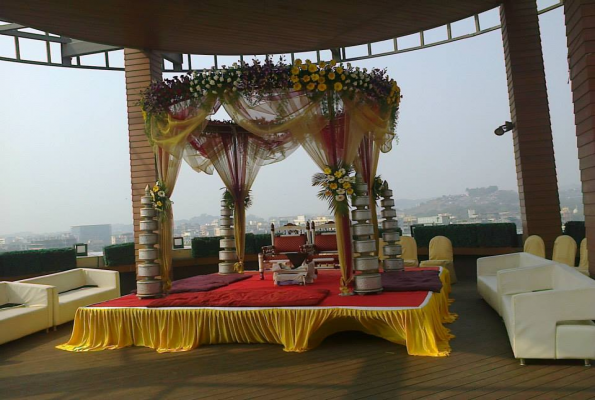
point(238, 27)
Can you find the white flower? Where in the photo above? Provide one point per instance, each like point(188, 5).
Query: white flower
point(228, 79)
point(360, 82)
point(357, 68)
point(216, 78)
point(204, 92)
point(235, 89)
point(342, 170)
point(212, 82)
point(238, 73)
point(353, 75)
point(331, 178)
point(341, 191)
point(341, 180)
point(161, 193)
point(219, 85)
point(208, 86)
point(340, 197)
point(214, 92)
point(234, 64)
point(348, 65)
point(191, 89)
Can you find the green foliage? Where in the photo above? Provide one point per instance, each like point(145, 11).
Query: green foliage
point(209, 246)
point(469, 235)
point(576, 229)
point(229, 201)
point(19, 263)
point(119, 254)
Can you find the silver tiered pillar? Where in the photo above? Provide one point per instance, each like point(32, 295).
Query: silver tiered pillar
point(392, 251)
point(147, 272)
point(367, 278)
point(227, 254)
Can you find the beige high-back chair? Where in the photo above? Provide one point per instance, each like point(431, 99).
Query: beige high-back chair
point(535, 245)
point(564, 250)
point(441, 255)
point(583, 265)
point(409, 251)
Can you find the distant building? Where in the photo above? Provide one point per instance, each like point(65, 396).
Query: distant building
point(57, 242)
point(123, 238)
point(440, 219)
point(95, 236)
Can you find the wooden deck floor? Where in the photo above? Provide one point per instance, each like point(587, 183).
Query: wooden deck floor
point(346, 366)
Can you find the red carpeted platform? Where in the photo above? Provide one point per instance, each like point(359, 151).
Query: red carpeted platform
point(327, 279)
point(414, 319)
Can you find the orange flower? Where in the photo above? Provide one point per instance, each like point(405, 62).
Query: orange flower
point(333, 62)
point(311, 86)
point(339, 70)
point(297, 86)
point(322, 87)
point(295, 70)
point(314, 77)
point(338, 86)
point(321, 80)
point(304, 67)
point(312, 68)
point(294, 79)
point(331, 75)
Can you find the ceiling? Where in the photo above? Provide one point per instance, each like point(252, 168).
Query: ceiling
point(228, 27)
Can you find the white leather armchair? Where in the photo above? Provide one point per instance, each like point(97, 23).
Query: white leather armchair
point(488, 267)
point(33, 314)
point(79, 288)
point(548, 312)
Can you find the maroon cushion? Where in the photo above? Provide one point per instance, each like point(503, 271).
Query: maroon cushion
point(325, 242)
point(245, 298)
point(285, 244)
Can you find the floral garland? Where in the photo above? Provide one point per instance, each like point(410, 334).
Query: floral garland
point(259, 80)
point(160, 199)
point(230, 202)
point(378, 187)
point(336, 187)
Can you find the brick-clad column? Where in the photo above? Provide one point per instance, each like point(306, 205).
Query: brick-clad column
point(532, 135)
point(141, 68)
point(580, 33)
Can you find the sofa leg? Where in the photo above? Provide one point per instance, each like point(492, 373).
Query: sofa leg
point(587, 362)
point(522, 361)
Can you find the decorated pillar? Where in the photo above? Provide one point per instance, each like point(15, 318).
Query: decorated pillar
point(140, 68)
point(392, 250)
point(532, 133)
point(227, 254)
point(148, 283)
point(580, 27)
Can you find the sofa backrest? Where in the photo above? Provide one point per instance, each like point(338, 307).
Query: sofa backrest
point(3, 293)
point(63, 281)
point(565, 278)
point(530, 260)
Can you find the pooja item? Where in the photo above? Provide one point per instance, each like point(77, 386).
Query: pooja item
point(367, 278)
point(148, 283)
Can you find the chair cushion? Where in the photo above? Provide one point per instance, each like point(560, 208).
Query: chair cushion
point(284, 244)
point(487, 286)
point(325, 242)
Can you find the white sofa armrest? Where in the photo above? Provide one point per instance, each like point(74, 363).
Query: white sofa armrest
point(536, 314)
point(491, 265)
point(522, 280)
point(102, 278)
point(34, 295)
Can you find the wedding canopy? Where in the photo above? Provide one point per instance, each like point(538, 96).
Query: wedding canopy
point(328, 109)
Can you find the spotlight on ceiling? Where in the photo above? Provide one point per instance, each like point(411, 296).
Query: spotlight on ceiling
point(504, 128)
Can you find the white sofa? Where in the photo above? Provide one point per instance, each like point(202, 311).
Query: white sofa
point(488, 267)
point(34, 314)
point(78, 288)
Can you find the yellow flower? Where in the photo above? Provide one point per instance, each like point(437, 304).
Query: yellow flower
point(159, 204)
point(349, 191)
point(338, 174)
point(331, 75)
point(312, 68)
point(297, 61)
point(327, 170)
point(322, 72)
point(338, 86)
point(311, 86)
point(297, 86)
point(328, 193)
point(314, 77)
point(155, 188)
point(294, 78)
point(322, 64)
point(339, 70)
point(343, 77)
point(295, 70)
point(333, 186)
point(306, 78)
point(322, 87)
point(333, 62)
point(346, 185)
point(321, 80)
point(304, 67)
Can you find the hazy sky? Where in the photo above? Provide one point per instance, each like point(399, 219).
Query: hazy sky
point(64, 144)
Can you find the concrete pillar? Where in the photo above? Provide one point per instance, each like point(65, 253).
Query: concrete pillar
point(141, 67)
point(580, 33)
point(529, 109)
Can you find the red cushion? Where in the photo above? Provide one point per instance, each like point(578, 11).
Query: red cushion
point(325, 242)
point(245, 298)
point(285, 244)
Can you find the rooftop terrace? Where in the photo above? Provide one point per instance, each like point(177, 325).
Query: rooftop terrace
point(481, 366)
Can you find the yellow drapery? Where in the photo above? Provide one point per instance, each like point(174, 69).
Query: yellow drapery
point(298, 330)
